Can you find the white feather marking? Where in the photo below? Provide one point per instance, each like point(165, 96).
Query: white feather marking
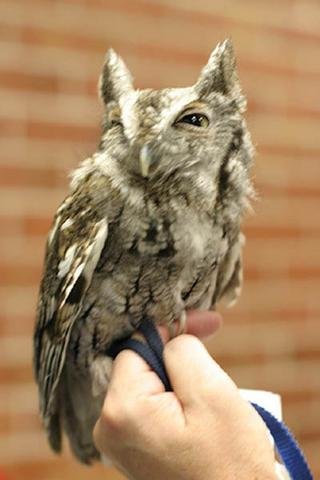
point(51, 307)
point(66, 224)
point(65, 264)
point(128, 114)
point(91, 257)
point(96, 248)
point(86, 210)
point(53, 230)
point(109, 167)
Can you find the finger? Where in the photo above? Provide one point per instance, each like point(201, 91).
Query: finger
point(132, 375)
point(199, 323)
point(203, 323)
point(192, 372)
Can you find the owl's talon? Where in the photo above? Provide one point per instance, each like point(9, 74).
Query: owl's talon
point(179, 327)
point(182, 323)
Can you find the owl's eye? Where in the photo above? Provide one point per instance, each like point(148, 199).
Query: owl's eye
point(195, 119)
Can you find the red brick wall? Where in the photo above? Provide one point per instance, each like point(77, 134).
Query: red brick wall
point(50, 57)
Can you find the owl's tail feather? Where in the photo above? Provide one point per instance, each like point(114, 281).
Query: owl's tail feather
point(79, 414)
point(53, 428)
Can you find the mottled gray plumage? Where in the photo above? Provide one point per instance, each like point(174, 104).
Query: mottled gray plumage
point(151, 227)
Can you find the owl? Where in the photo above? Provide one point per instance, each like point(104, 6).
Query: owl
point(151, 228)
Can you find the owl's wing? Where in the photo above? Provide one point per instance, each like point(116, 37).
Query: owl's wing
point(73, 250)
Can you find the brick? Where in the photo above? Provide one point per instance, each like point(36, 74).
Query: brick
point(273, 342)
point(23, 446)
point(19, 276)
point(25, 226)
point(42, 107)
point(18, 421)
point(12, 275)
point(287, 172)
point(250, 14)
point(298, 133)
point(279, 232)
point(11, 376)
point(16, 324)
point(27, 81)
point(21, 397)
point(149, 47)
point(43, 60)
point(291, 254)
point(275, 295)
point(11, 307)
point(22, 250)
point(279, 91)
point(21, 201)
point(183, 15)
point(311, 449)
point(32, 177)
point(244, 314)
point(284, 212)
point(62, 154)
point(278, 376)
point(304, 426)
point(57, 131)
point(57, 468)
point(16, 351)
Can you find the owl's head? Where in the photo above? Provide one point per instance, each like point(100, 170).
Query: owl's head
point(175, 132)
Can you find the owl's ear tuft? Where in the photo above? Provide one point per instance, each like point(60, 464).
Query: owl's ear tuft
point(115, 79)
point(220, 74)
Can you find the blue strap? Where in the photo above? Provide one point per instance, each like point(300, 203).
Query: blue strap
point(152, 352)
point(287, 446)
point(149, 356)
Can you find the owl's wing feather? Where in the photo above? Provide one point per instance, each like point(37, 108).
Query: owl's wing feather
point(73, 250)
point(229, 281)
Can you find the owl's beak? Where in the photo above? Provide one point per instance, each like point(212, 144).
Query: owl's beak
point(146, 160)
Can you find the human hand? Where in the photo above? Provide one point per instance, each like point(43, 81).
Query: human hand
point(203, 429)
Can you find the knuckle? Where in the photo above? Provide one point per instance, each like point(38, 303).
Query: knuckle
point(113, 416)
point(118, 416)
point(219, 396)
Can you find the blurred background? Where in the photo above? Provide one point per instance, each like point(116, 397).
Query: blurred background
point(51, 54)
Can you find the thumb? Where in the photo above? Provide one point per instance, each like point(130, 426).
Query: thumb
point(193, 373)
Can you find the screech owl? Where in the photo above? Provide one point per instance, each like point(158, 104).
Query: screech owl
point(151, 227)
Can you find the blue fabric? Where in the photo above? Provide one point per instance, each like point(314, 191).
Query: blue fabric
point(287, 446)
point(149, 356)
point(152, 352)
